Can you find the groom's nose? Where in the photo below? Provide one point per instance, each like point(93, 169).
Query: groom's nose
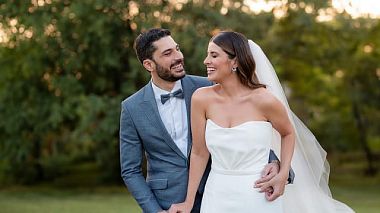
point(178, 55)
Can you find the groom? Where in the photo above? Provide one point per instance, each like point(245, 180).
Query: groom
point(156, 121)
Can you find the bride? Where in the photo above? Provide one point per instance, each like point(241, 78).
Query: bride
point(237, 121)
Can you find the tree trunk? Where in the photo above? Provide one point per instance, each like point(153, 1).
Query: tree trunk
point(361, 125)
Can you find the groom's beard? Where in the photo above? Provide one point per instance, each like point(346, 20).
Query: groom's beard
point(167, 75)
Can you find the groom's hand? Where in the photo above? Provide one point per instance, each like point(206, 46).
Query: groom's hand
point(268, 173)
point(277, 184)
point(270, 170)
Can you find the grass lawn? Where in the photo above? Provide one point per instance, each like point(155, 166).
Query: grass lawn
point(56, 200)
point(64, 196)
point(349, 185)
point(362, 196)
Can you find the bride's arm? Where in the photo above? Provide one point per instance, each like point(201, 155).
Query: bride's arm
point(275, 112)
point(199, 152)
point(280, 121)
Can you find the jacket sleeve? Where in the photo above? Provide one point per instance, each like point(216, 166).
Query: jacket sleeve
point(131, 158)
point(273, 156)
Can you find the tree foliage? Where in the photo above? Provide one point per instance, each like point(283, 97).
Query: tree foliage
point(66, 66)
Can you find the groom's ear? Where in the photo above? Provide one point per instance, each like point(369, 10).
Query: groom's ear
point(149, 65)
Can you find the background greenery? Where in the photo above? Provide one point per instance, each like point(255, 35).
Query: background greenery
point(65, 66)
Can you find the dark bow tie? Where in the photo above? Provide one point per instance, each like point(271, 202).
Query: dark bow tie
point(178, 94)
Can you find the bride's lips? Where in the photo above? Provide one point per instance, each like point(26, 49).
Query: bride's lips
point(210, 70)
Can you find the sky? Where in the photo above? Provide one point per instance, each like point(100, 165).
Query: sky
point(359, 7)
point(356, 8)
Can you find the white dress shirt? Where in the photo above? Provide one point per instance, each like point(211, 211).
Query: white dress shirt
point(174, 115)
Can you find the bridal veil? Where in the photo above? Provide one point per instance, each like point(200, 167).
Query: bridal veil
point(310, 191)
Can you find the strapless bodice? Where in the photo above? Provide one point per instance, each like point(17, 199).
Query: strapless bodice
point(239, 154)
point(240, 149)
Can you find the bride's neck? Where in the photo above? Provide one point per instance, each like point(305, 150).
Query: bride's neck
point(233, 88)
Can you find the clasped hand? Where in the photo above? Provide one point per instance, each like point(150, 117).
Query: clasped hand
point(272, 183)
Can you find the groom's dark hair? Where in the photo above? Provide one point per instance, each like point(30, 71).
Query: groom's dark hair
point(143, 45)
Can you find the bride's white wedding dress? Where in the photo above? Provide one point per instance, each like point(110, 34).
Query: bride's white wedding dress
point(238, 154)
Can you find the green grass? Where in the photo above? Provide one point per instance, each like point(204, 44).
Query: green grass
point(347, 183)
point(60, 200)
point(362, 194)
point(361, 199)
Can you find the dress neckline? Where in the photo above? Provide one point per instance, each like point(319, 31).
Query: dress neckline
point(239, 125)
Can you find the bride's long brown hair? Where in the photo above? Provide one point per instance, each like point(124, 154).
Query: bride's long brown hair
point(236, 45)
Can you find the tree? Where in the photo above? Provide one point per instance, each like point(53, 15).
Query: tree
point(66, 66)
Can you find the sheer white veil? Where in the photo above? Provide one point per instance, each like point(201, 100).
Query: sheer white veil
point(310, 191)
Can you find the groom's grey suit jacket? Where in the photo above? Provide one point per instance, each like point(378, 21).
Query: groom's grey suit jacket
point(142, 130)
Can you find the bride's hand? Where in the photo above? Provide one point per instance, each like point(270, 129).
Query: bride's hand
point(269, 171)
point(180, 208)
point(277, 183)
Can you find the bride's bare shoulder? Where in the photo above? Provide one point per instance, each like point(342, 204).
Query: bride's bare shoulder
point(205, 93)
point(263, 97)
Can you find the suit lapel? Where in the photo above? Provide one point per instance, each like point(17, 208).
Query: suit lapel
point(188, 87)
point(150, 108)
